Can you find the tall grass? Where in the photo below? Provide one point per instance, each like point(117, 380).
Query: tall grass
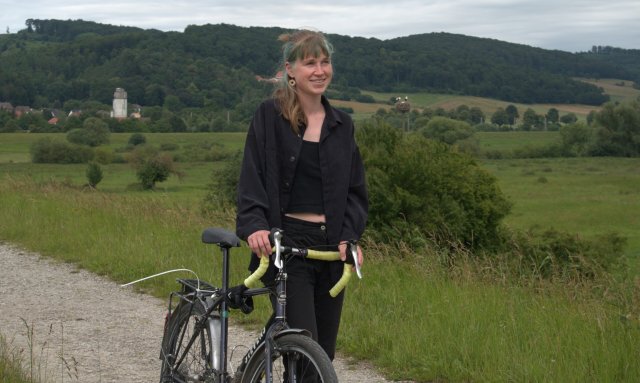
point(11, 364)
point(411, 316)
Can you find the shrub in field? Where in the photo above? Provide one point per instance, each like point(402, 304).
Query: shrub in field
point(103, 156)
point(46, 150)
point(618, 132)
point(151, 165)
point(420, 185)
point(552, 253)
point(94, 174)
point(446, 130)
point(576, 139)
point(137, 139)
point(223, 189)
point(94, 132)
point(156, 169)
point(169, 146)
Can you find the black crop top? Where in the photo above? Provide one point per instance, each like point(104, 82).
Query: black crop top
point(306, 192)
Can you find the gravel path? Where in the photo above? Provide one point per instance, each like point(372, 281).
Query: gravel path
point(84, 328)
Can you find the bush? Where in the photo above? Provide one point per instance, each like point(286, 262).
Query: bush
point(555, 254)
point(103, 156)
point(419, 185)
point(447, 130)
point(94, 174)
point(137, 139)
point(223, 189)
point(46, 150)
point(155, 169)
point(169, 147)
point(151, 165)
point(94, 132)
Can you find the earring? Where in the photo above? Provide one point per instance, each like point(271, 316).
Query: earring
point(292, 83)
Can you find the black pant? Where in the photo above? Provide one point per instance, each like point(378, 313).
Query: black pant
point(309, 305)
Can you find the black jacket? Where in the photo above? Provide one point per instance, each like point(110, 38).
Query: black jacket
point(270, 158)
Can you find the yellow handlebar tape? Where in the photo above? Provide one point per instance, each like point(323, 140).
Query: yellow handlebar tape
point(253, 280)
point(346, 275)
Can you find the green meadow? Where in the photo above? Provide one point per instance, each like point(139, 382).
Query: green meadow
point(411, 316)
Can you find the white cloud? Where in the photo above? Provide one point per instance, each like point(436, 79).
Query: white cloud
point(572, 25)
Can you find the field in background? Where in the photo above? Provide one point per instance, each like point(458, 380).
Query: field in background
point(619, 90)
point(419, 101)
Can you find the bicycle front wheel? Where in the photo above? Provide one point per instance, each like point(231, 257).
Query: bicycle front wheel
point(296, 358)
point(182, 364)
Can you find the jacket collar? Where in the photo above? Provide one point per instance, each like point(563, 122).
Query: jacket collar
point(333, 118)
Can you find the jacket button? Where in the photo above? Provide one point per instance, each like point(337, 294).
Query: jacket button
point(286, 184)
point(292, 158)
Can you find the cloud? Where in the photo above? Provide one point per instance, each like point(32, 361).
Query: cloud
point(570, 25)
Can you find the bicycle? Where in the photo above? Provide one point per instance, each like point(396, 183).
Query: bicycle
point(194, 345)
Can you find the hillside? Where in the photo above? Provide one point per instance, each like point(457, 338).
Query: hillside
point(52, 62)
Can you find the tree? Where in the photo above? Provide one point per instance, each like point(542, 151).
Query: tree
point(151, 166)
point(569, 118)
point(512, 112)
point(576, 139)
point(94, 174)
point(618, 130)
point(500, 117)
point(447, 130)
point(421, 186)
point(137, 139)
point(553, 115)
point(477, 115)
point(94, 132)
point(531, 120)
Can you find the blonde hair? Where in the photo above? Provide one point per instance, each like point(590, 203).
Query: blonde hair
point(298, 46)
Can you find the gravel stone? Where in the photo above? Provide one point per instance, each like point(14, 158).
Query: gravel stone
point(81, 327)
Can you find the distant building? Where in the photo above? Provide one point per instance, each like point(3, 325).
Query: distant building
point(119, 104)
point(6, 106)
point(74, 113)
point(20, 110)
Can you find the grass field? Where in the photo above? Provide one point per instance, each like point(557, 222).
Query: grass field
point(488, 106)
point(409, 316)
point(619, 90)
point(509, 141)
point(586, 196)
point(419, 101)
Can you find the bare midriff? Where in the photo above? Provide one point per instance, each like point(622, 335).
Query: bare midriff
point(309, 217)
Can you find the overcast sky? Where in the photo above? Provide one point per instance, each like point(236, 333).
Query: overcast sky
point(568, 25)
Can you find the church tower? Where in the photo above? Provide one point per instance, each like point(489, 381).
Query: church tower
point(119, 104)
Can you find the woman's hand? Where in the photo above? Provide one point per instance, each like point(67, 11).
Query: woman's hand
point(259, 243)
point(342, 247)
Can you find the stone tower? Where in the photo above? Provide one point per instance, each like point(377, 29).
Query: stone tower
point(119, 104)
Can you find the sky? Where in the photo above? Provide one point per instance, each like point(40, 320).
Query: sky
point(568, 25)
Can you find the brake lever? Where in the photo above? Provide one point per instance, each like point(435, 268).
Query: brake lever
point(354, 254)
point(277, 239)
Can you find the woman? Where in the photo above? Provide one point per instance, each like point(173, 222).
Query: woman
point(302, 172)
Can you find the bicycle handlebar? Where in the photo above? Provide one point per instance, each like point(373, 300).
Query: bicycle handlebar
point(253, 279)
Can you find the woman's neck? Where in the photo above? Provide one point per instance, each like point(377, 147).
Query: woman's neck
point(311, 104)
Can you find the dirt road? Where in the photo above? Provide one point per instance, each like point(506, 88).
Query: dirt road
point(79, 327)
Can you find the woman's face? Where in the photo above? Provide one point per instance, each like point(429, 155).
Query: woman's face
point(312, 74)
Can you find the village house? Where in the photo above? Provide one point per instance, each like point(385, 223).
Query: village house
point(6, 106)
point(20, 110)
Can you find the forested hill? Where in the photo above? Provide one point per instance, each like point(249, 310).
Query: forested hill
point(52, 61)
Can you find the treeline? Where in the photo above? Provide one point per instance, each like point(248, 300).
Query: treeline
point(214, 66)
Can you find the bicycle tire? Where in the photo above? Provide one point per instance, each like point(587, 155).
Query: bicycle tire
point(303, 354)
point(197, 364)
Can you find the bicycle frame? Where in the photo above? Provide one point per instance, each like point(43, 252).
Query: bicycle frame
point(271, 331)
point(215, 304)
